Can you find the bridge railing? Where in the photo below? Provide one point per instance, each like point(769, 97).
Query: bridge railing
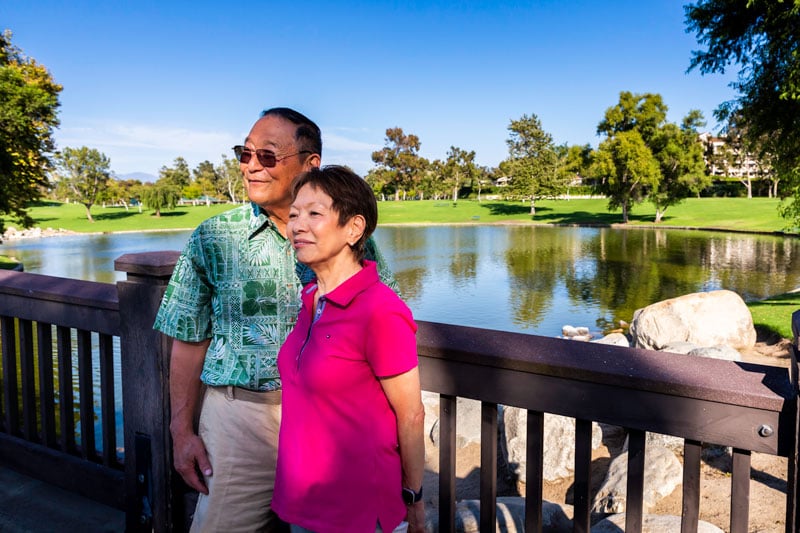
point(49, 325)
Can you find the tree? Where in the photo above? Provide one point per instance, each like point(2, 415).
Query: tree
point(160, 195)
point(459, 167)
point(532, 164)
point(400, 158)
point(28, 113)
point(628, 168)
point(763, 38)
point(680, 159)
point(206, 183)
point(178, 175)
point(380, 178)
point(86, 174)
point(627, 160)
point(230, 176)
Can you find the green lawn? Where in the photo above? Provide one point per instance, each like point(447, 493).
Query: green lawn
point(737, 214)
point(6, 263)
point(72, 217)
point(734, 214)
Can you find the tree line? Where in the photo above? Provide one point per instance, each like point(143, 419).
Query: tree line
point(83, 175)
point(642, 156)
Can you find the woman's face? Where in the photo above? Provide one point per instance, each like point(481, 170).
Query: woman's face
point(314, 229)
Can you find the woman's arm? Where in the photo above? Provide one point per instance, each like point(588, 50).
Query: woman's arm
point(405, 397)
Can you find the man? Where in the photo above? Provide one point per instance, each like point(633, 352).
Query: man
point(231, 302)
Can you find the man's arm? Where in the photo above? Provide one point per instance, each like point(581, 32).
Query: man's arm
point(188, 451)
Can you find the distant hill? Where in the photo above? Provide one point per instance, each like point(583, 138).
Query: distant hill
point(144, 177)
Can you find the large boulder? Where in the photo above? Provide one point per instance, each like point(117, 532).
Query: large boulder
point(510, 513)
point(662, 474)
point(650, 524)
point(559, 443)
point(705, 319)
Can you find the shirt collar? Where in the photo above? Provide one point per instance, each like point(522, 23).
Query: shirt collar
point(259, 220)
point(345, 293)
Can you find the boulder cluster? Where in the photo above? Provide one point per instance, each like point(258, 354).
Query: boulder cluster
point(14, 234)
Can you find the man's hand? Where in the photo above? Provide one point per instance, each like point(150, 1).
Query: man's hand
point(188, 451)
point(190, 460)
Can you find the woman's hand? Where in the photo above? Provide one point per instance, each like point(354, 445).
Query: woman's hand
point(416, 517)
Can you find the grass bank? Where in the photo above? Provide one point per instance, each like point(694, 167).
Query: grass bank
point(730, 214)
point(7, 263)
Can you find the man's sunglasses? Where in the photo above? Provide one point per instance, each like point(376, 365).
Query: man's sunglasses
point(265, 157)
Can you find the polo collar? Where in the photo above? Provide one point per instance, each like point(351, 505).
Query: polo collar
point(345, 293)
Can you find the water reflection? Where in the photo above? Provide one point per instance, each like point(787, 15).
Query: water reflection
point(536, 279)
point(533, 279)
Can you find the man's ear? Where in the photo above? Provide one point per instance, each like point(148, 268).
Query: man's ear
point(356, 225)
point(312, 161)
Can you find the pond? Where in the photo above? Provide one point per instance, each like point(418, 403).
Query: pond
point(532, 279)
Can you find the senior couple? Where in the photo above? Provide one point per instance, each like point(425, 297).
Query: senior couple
point(285, 337)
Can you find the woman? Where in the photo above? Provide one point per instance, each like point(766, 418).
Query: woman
point(351, 449)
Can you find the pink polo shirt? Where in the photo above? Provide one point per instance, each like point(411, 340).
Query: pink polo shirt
point(339, 466)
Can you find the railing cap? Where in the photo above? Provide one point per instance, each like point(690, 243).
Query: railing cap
point(148, 264)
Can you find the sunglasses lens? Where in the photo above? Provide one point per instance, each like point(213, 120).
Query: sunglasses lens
point(266, 158)
point(242, 155)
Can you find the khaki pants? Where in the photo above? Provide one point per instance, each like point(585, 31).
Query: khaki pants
point(240, 431)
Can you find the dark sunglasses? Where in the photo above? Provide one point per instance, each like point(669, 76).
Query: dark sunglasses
point(265, 157)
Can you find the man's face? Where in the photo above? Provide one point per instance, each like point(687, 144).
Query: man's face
point(270, 188)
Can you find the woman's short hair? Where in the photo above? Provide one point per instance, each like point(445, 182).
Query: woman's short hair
point(350, 196)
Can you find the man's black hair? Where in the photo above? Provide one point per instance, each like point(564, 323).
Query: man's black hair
point(308, 134)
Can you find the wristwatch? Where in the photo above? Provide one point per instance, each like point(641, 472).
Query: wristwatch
point(410, 497)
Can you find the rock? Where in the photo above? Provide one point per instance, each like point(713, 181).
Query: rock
point(670, 442)
point(717, 352)
point(662, 473)
point(559, 439)
point(577, 334)
point(679, 347)
point(468, 421)
point(650, 524)
point(510, 516)
point(614, 339)
point(705, 318)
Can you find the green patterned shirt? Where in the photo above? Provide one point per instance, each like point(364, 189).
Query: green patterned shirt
point(237, 283)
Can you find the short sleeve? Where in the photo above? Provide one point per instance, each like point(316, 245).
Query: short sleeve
point(391, 338)
point(185, 311)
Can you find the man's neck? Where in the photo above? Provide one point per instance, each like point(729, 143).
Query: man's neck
point(279, 217)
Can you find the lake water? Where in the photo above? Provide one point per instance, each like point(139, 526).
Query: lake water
point(532, 279)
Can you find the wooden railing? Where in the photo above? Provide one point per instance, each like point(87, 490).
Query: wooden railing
point(751, 408)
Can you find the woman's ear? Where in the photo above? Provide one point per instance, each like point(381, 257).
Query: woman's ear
point(356, 229)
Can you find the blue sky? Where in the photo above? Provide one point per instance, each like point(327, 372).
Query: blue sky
point(148, 81)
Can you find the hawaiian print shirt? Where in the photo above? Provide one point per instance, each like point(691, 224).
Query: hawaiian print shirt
point(237, 282)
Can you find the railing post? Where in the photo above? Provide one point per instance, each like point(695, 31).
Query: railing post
point(151, 501)
point(792, 492)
